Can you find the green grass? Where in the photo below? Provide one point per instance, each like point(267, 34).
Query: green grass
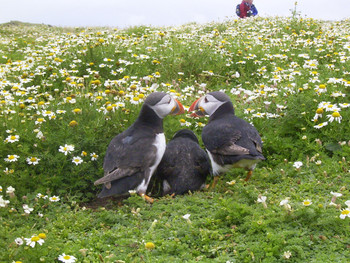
point(279, 73)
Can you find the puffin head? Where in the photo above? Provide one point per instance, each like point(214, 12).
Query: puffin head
point(164, 104)
point(186, 133)
point(208, 104)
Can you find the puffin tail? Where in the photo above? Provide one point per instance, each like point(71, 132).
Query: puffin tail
point(262, 157)
point(122, 186)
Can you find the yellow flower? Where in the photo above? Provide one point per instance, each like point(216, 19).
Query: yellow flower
point(42, 235)
point(335, 114)
point(35, 239)
point(95, 82)
point(109, 107)
point(77, 111)
point(150, 245)
point(73, 123)
point(319, 111)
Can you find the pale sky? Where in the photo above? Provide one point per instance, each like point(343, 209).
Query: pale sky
point(125, 13)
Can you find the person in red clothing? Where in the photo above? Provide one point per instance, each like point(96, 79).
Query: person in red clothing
point(246, 9)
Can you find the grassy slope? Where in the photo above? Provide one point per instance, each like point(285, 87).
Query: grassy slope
point(227, 224)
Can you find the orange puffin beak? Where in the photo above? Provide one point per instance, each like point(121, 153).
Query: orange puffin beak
point(194, 105)
point(199, 111)
point(178, 108)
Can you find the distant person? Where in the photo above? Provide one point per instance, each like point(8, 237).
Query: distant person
point(246, 9)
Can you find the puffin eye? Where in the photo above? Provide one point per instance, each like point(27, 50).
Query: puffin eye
point(206, 100)
point(169, 101)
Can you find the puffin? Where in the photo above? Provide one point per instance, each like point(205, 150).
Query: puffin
point(133, 155)
point(231, 142)
point(184, 166)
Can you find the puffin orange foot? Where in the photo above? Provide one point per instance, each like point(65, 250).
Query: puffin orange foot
point(248, 176)
point(147, 198)
point(215, 181)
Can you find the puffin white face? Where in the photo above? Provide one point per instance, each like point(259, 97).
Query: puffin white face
point(208, 104)
point(167, 105)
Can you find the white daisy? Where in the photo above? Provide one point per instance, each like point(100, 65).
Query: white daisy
point(298, 165)
point(54, 199)
point(77, 160)
point(67, 258)
point(32, 160)
point(19, 241)
point(307, 202)
point(3, 202)
point(33, 240)
point(67, 148)
point(11, 158)
point(12, 139)
point(94, 156)
point(320, 125)
point(334, 116)
point(27, 209)
point(345, 213)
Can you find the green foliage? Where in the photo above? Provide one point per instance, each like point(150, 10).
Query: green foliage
point(81, 87)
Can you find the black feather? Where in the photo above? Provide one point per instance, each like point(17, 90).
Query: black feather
point(229, 138)
point(185, 165)
point(118, 186)
point(131, 153)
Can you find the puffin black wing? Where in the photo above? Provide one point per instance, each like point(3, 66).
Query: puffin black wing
point(117, 187)
point(130, 150)
point(230, 141)
point(127, 161)
point(231, 136)
point(127, 153)
point(133, 155)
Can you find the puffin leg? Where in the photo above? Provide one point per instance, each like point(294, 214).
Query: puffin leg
point(147, 198)
point(215, 181)
point(249, 174)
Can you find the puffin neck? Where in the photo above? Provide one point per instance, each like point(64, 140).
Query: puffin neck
point(224, 110)
point(148, 117)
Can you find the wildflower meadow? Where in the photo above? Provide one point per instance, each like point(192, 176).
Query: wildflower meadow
point(66, 92)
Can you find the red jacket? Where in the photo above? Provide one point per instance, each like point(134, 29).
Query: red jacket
point(244, 8)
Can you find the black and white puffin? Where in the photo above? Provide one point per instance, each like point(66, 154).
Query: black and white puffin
point(133, 155)
point(230, 141)
point(185, 165)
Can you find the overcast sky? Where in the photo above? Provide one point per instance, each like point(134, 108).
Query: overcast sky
point(125, 13)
